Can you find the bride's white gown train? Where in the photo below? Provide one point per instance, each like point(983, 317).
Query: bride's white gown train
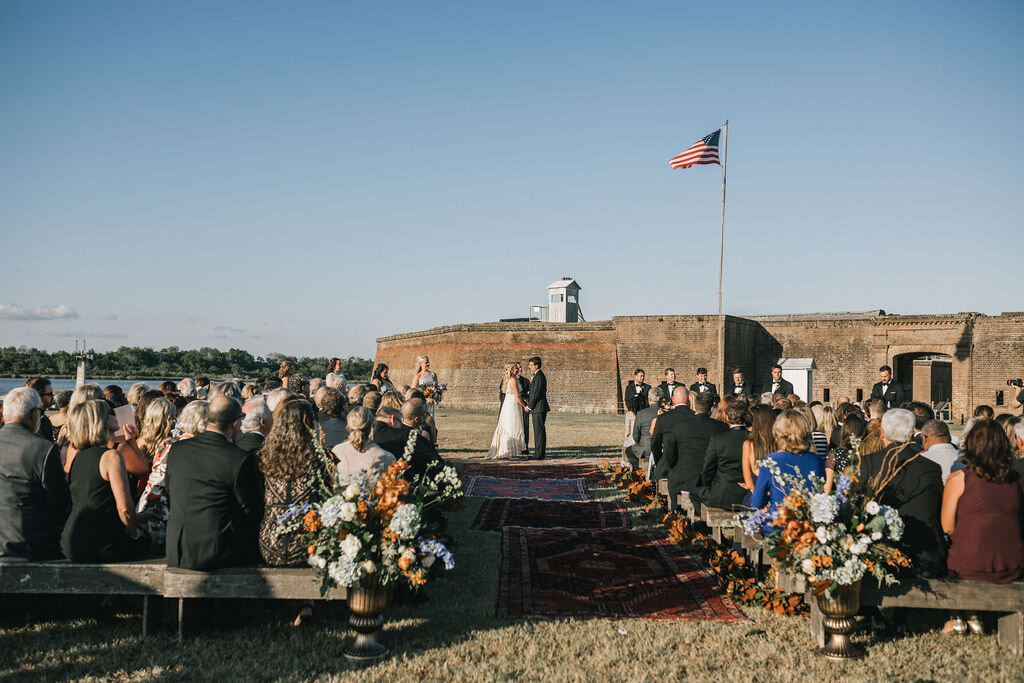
point(508, 438)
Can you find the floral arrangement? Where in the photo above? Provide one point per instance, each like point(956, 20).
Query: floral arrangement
point(833, 539)
point(730, 567)
point(368, 526)
point(434, 392)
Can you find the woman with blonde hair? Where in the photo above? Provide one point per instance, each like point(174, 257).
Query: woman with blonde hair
point(796, 454)
point(424, 376)
point(392, 399)
point(359, 453)
point(101, 527)
point(157, 435)
point(509, 439)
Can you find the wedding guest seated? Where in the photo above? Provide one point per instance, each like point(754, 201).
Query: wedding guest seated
point(187, 387)
point(256, 425)
point(792, 436)
point(1010, 426)
point(192, 420)
point(276, 396)
point(723, 470)
point(299, 384)
point(839, 457)
point(900, 477)
point(984, 412)
point(250, 391)
point(34, 497)
point(333, 426)
point(982, 506)
point(230, 388)
point(135, 392)
point(101, 526)
point(292, 474)
point(371, 401)
point(358, 453)
point(215, 494)
point(42, 386)
point(355, 394)
point(60, 400)
point(686, 446)
point(938, 447)
point(203, 388)
point(392, 399)
point(157, 428)
point(818, 437)
point(760, 443)
point(395, 439)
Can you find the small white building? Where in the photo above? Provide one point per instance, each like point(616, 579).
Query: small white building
point(800, 371)
point(564, 301)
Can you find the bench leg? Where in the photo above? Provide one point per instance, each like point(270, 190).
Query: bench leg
point(817, 622)
point(716, 533)
point(152, 614)
point(1011, 632)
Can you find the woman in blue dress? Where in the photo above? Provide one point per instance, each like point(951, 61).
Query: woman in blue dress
point(792, 435)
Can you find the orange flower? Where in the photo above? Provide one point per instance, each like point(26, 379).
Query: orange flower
point(794, 500)
point(310, 550)
point(343, 535)
point(860, 527)
point(869, 565)
point(404, 563)
point(806, 539)
point(311, 521)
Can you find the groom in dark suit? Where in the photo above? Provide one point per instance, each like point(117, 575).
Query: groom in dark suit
point(538, 408)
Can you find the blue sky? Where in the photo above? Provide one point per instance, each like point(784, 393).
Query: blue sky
point(306, 177)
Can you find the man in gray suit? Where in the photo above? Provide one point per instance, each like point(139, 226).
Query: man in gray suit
point(34, 498)
point(641, 447)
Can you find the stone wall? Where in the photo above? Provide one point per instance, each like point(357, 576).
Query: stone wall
point(588, 364)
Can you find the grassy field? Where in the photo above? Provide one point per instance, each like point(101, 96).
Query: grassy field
point(453, 634)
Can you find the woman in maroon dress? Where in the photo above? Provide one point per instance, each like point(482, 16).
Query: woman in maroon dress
point(981, 512)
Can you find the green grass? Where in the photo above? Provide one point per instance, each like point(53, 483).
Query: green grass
point(453, 634)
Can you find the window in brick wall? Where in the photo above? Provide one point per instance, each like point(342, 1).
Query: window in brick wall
point(825, 396)
point(860, 395)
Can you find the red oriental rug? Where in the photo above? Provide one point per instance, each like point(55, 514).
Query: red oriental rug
point(533, 469)
point(496, 513)
point(607, 573)
point(539, 489)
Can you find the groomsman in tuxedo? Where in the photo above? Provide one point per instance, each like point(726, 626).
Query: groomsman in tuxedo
point(888, 389)
point(740, 388)
point(537, 407)
point(777, 385)
point(670, 383)
point(702, 385)
point(524, 393)
point(635, 398)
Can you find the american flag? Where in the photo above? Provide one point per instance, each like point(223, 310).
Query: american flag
point(704, 151)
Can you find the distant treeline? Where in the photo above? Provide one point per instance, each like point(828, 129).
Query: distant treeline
point(135, 362)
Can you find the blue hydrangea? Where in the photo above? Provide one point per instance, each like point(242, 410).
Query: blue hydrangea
point(430, 546)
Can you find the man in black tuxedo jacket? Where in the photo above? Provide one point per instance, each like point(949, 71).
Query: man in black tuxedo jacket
point(215, 494)
point(703, 386)
point(680, 412)
point(392, 435)
point(739, 387)
point(777, 385)
point(524, 393)
point(889, 390)
point(670, 383)
point(687, 444)
point(722, 472)
point(538, 408)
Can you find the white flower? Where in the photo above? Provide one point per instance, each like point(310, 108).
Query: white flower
point(876, 535)
point(406, 521)
point(409, 554)
point(352, 490)
point(369, 567)
point(316, 562)
point(823, 507)
point(872, 507)
point(806, 565)
point(348, 512)
point(822, 534)
point(859, 548)
point(330, 510)
point(345, 572)
point(351, 546)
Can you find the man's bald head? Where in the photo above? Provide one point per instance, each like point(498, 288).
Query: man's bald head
point(412, 411)
point(224, 411)
point(680, 396)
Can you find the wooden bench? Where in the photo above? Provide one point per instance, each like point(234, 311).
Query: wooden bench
point(682, 500)
point(271, 583)
point(60, 577)
point(943, 594)
point(718, 519)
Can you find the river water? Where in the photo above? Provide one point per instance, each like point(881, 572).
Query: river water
point(8, 383)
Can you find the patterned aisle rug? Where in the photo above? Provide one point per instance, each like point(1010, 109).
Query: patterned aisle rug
point(533, 469)
point(539, 489)
point(607, 573)
point(496, 513)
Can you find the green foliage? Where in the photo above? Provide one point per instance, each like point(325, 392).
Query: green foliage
point(130, 362)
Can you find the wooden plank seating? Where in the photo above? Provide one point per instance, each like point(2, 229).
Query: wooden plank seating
point(60, 577)
point(682, 501)
point(275, 583)
point(942, 594)
point(718, 519)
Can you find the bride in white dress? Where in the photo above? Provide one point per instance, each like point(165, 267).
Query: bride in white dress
point(508, 438)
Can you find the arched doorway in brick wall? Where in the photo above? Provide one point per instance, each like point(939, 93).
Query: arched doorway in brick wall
point(928, 377)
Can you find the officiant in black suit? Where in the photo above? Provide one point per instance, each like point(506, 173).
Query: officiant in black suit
point(524, 393)
point(777, 385)
point(888, 389)
point(537, 407)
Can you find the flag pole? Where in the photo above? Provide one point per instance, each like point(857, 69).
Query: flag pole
point(721, 263)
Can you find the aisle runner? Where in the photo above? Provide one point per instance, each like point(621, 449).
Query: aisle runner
point(501, 512)
point(539, 489)
point(608, 573)
point(564, 469)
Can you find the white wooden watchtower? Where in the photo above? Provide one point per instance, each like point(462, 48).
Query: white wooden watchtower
point(564, 301)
